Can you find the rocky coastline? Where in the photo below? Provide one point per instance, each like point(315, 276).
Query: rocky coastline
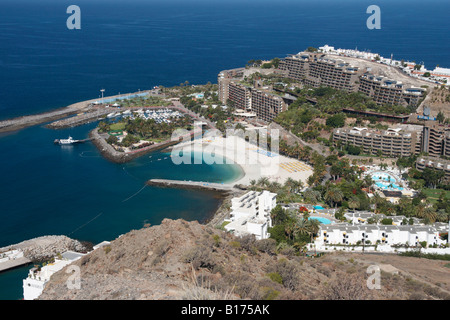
point(46, 247)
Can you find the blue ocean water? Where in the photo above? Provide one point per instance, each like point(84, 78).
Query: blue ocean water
point(124, 46)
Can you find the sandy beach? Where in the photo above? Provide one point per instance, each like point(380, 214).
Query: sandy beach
point(254, 161)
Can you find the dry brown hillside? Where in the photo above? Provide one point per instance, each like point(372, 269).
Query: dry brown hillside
point(187, 260)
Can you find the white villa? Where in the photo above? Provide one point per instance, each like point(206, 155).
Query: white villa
point(250, 214)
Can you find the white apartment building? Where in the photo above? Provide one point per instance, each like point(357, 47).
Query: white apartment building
point(346, 234)
point(37, 278)
point(250, 214)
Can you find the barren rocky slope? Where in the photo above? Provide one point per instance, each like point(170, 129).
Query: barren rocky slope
point(187, 260)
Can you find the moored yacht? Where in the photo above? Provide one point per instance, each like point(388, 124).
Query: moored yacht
point(66, 141)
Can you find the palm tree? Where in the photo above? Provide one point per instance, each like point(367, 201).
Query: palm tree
point(368, 181)
point(314, 226)
point(354, 203)
point(334, 195)
point(442, 215)
point(263, 181)
point(291, 229)
point(290, 184)
point(429, 215)
point(311, 196)
point(302, 227)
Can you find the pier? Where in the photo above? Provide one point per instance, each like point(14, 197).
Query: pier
point(193, 185)
point(12, 259)
point(91, 116)
point(35, 250)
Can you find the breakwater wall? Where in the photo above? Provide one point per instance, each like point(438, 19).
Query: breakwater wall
point(31, 120)
point(199, 185)
point(91, 116)
point(36, 250)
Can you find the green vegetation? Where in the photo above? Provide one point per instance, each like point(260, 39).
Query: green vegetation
point(272, 64)
point(336, 121)
point(433, 256)
point(141, 129)
point(143, 101)
point(327, 103)
point(292, 230)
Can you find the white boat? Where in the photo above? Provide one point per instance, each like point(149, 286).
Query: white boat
point(127, 112)
point(111, 115)
point(66, 141)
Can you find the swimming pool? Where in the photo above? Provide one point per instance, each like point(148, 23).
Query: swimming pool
point(322, 220)
point(385, 181)
point(317, 207)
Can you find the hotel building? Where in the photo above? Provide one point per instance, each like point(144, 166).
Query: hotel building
point(395, 142)
point(388, 91)
point(315, 70)
point(332, 73)
point(266, 105)
point(240, 95)
point(436, 163)
point(346, 234)
point(435, 139)
point(225, 78)
point(250, 214)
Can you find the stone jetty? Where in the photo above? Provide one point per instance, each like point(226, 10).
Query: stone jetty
point(37, 249)
point(201, 185)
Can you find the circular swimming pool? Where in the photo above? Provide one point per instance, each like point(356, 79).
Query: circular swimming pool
point(385, 181)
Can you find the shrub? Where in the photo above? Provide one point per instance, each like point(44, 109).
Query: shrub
point(289, 273)
point(235, 244)
point(267, 245)
point(216, 239)
point(269, 293)
point(247, 242)
point(200, 257)
point(275, 277)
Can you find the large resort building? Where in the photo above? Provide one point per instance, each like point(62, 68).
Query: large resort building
point(332, 73)
point(315, 70)
point(401, 141)
point(436, 140)
point(258, 99)
point(388, 91)
point(435, 163)
point(396, 142)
